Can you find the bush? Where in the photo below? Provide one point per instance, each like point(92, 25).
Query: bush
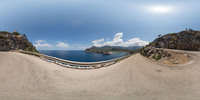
point(30, 48)
point(16, 33)
point(158, 57)
point(156, 43)
point(4, 32)
point(1, 36)
point(173, 33)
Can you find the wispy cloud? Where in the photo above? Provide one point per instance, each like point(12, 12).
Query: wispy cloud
point(38, 45)
point(62, 44)
point(118, 41)
point(40, 41)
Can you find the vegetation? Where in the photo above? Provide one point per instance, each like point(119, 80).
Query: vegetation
point(4, 32)
point(159, 35)
point(16, 33)
point(30, 48)
point(1, 36)
point(173, 33)
point(158, 57)
point(24, 36)
point(142, 51)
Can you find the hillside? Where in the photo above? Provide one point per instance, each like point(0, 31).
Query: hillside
point(185, 40)
point(15, 41)
point(107, 49)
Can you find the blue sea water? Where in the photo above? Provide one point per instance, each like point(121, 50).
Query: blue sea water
point(81, 56)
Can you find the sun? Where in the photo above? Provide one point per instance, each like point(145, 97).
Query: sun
point(160, 9)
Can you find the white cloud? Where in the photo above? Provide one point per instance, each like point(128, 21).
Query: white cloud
point(97, 42)
point(40, 41)
point(62, 44)
point(118, 41)
point(38, 45)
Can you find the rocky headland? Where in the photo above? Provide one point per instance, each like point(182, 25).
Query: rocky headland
point(107, 50)
point(15, 41)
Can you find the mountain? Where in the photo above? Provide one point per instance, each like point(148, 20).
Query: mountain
point(184, 40)
point(15, 41)
point(108, 49)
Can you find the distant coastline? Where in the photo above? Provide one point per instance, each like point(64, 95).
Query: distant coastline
point(81, 55)
point(107, 50)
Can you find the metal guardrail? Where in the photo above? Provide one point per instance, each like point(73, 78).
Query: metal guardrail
point(73, 64)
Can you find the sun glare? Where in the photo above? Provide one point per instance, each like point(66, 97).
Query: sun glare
point(160, 9)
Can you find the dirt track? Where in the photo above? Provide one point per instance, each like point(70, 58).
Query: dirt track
point(25, 77)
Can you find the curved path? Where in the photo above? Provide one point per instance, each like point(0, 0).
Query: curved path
point(25, 77)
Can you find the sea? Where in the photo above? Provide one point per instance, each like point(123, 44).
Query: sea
point(81, 55)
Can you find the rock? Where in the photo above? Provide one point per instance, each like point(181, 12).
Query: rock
point(176, 62)
point(10, 41)
point(184, 40)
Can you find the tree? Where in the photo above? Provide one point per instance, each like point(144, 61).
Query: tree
point(159, 35)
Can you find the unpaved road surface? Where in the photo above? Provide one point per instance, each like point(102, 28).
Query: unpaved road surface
point(25, 77)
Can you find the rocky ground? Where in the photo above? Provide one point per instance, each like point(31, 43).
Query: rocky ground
point(167, 57)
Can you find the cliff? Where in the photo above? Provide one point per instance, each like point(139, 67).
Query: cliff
point(184, 40)
point(15, 41)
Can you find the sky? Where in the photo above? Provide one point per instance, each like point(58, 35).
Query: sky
point(79, 24)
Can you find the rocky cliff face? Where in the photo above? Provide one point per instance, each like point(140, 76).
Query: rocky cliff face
point(184, 40)
point(15, 41)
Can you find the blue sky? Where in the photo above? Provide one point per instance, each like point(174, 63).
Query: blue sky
point(78, 24)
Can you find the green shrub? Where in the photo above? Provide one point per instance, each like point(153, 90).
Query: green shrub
point(16, 33)
point(150, 43)
point(158, 57)
point(142, 51)
point(156, 43)
point(4, 32)
point(154, 57)
point(173, 33)
point(1, 36)
point(32, 49)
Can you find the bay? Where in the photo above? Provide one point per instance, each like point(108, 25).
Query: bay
point(81, 55)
